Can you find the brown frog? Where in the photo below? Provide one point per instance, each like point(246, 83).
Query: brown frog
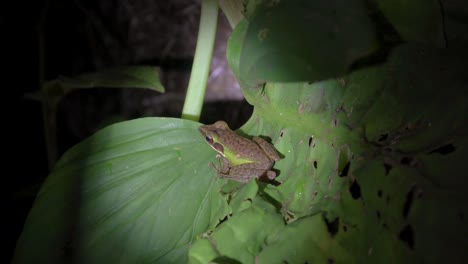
point(242, 159)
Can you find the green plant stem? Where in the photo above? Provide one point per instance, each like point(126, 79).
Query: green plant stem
point(202, 60)
point(48, 107)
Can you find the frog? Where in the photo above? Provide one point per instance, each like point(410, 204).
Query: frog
point(240, 159)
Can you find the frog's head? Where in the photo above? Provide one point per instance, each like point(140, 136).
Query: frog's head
point(211, 133)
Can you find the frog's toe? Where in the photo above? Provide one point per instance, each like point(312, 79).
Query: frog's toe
point(271, 175)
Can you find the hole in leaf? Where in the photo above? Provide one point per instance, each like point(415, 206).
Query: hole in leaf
point(355, 190)
point(224, 259)
point(377, 212)
point(382, 137)
point(408, 202)
point(332, 226)
point(444, 150)
point(335, 122)
point(224, 219)
point(311, 139)
point(282, 133)
point(387, 167)
point(379, 193)
point(345, 228)
point(406, 160)
point(315, 164)
point(343, 163)
point(407, 235)
point(344, 171)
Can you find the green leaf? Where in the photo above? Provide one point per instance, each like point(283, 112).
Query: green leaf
point(402, 127)
point(240, 238)
point(290, 41)
point(241, 195)
point(305, 241)
point(125, 77)
point(135, 192)
point(417, 20)
point(258, 235)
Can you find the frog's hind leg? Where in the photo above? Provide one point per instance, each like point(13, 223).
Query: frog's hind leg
point(268, 148)
point(245, 172)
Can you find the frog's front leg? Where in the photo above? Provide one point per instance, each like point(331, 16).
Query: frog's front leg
point(223, 165)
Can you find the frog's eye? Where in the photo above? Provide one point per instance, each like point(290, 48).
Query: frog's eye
point(209, 139)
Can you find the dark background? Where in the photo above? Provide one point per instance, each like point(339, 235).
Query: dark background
point(92, 35)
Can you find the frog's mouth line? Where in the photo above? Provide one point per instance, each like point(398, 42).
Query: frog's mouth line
point(219, 148)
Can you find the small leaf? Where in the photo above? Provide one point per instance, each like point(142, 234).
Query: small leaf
point(126, 77)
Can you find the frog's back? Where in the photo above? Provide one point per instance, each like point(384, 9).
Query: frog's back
point(242, 147)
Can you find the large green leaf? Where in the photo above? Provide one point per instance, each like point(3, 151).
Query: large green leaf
point(290, 41)
point(417, 20)
point(135, 192)
point(373, 165)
